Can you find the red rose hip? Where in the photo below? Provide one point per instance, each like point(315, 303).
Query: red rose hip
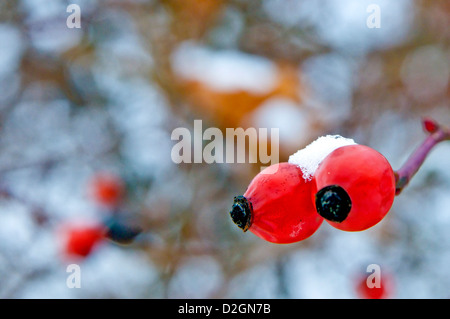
point(107, 189)
point(81, 240)
point(370, 289)
point(277, 206)
point(354, 188)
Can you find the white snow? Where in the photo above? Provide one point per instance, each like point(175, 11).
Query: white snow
point(11, 49)
point(290, 118)
point(224, 70)
point(309, 158)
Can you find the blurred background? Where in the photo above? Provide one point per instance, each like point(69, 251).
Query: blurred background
point(105, 98)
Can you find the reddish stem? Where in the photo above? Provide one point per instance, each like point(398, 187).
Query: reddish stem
point(436, 135)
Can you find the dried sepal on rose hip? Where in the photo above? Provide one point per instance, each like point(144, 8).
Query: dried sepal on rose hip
point(120, 230)
point(277, 206)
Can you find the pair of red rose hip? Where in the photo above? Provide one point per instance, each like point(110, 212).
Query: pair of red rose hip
point(108, 191)
point(353, 188)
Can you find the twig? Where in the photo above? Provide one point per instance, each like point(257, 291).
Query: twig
point(436, 135)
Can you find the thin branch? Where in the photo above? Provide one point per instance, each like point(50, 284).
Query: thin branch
point(437, 134)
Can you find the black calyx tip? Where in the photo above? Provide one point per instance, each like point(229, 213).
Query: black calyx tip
point(333, 203)
point(121, 232)
point(241, 212)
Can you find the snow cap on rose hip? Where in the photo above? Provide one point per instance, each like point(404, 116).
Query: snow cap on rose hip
point(309, 158)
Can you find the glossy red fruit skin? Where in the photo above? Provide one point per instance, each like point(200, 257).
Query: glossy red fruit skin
point(283, 212)
point(81, 240)
point(107, 189)
point(366, 176)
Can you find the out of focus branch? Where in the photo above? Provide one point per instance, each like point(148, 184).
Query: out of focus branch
point(436, 135)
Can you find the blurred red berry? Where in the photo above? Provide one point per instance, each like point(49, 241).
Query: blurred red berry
point(366, 289)
point(107, 189)
point(80, 240)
